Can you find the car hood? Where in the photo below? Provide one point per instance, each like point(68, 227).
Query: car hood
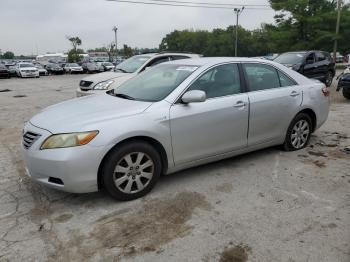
point(83, 114)
point(105, 76)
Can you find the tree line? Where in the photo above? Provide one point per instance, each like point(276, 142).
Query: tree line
point(299, 25)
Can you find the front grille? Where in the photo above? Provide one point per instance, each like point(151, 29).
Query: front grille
point(29, 138)
point(85, 83)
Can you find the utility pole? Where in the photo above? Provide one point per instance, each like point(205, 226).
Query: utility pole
point(339, 3)
point(115, 29)
point(238, 11)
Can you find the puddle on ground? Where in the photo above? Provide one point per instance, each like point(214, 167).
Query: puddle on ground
point(235, 254)
point(133, 232)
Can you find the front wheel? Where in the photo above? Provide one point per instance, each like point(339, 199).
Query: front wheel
point(298, 133)
point(131, 170)
point(346, 93)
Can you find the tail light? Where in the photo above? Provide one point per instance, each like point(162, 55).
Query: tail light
point(325, 91)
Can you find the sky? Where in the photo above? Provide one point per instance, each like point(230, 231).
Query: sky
point(41, 26)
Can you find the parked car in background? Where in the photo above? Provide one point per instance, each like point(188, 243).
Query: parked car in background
point(12, 69)
point(174, 116)
point(312, 64)
point(4, 72)
point(24, 69)
point(73, 68)
point(54, 69)
point(339, 58)
point(271, 56)
point(42, 70)
point(344, 82)
point(107, 66)
point(125, 70)
point(90, 68)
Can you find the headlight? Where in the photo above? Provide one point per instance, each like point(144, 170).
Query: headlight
point(103, 85)
point(68, 140)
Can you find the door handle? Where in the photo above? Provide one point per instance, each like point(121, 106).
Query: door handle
point(294, 94)
point(240, 104)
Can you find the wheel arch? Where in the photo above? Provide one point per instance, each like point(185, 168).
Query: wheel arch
point(311, 113)
point(153, 142)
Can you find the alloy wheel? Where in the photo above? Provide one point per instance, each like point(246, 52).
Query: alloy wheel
point(133, 172)
point(300, 134)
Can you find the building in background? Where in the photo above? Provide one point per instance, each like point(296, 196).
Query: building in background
point(56, 57)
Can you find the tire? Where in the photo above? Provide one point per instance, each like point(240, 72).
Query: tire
point(298, 133)
point(329, 78)
point(134, 181)
point(346, 93)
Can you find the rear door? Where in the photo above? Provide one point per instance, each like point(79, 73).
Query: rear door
point(310, 67)
point(321, 66)
point(274, 100)
point(217, 125)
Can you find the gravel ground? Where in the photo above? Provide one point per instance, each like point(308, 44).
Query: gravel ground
point(268, 205)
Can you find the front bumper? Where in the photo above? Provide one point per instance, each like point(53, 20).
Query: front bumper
point(76, 167)
point(29, 74)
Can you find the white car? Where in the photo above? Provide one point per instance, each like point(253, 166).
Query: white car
point(42, 70)
point(26, 70)
point(107, 66)
point(72, 68)
point(129, 68)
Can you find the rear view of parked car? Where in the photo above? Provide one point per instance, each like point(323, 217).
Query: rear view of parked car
point(107, 66)
point(171, 117)
point(4, 72)
point(26, 70)
point(312, 64)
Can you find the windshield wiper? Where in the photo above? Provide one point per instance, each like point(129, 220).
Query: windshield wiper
point(121, 70)
point(123, 96)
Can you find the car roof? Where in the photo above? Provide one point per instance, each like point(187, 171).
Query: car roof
point(169, 53)
point(207, 61)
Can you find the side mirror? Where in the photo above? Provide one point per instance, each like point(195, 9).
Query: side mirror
point(194, 96)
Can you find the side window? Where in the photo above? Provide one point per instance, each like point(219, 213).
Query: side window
point(310, 59)
point(178, 57)
point(320, 57)
point(159, 60)
point(261, 77)
point(222, 80)
point(285, 80)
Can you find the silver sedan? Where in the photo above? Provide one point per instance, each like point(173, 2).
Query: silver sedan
point(174, 116)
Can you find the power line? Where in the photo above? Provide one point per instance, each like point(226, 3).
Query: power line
point(208, 3)
point(186, 5)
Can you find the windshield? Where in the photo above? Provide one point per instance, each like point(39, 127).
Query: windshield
point(154, 84)
point(26, 65)
point(73, 65)
point(132, 64)
point(107, 64)
point(39, 66)
point(290, 58)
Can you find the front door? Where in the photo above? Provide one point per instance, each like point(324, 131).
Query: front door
point(218, 125)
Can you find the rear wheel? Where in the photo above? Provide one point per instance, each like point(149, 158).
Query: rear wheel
point(131, 170)
point(329, 79)
point(299, 132)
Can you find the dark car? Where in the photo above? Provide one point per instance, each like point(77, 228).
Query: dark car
point(312, 64)
point(12, 69)
point(344, 82)
point(4, 72)
point(54, 69)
